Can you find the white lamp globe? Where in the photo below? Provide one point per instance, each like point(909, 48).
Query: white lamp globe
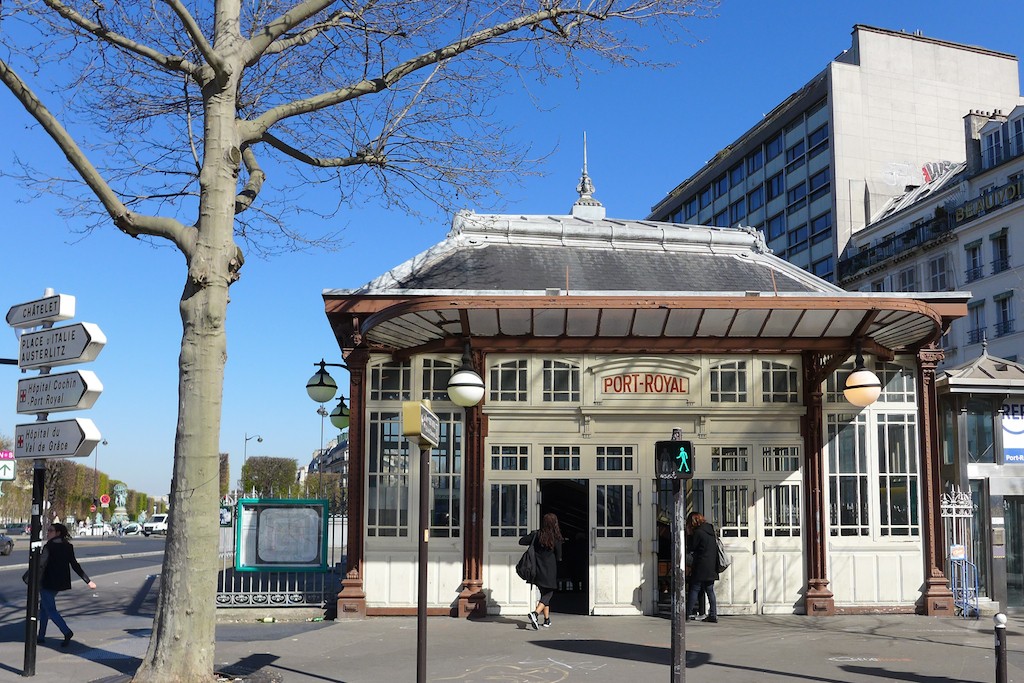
point(340, 415)
point(862, 387)
point(321, 387)
point(465, 388)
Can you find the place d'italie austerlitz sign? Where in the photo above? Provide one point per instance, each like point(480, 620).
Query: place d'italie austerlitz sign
point(46, 393)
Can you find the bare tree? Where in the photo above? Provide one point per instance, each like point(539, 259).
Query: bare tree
point(172, 113)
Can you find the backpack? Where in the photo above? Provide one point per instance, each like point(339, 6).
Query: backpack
point(723, 560)
point(526, 567)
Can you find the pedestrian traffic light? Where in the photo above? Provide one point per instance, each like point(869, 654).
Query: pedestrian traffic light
point(673, 459)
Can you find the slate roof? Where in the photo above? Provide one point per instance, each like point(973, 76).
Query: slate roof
point(575, 253)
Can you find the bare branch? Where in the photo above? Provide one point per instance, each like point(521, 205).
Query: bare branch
point(220, 66)
point(127, 221)
point(256, 128)
point(321, 162)
point(170, 62)
point(252, 188)
point(262, 39)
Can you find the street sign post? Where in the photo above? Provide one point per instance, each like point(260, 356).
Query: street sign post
point(61, 439)
point(76, 390)
point(49, 309)
point(420, 424)
point(78, 343)
point(8, 466)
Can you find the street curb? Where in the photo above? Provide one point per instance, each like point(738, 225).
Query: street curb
point(125, 556)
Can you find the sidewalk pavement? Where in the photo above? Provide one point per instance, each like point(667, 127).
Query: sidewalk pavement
point(628, 649)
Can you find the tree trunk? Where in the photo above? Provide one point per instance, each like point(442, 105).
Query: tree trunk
point(182, 647)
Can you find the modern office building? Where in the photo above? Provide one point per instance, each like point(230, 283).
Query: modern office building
point(594, 339)
point(884, 114)
point(964, 230)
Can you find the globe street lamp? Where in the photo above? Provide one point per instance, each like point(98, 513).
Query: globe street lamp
point(862, 386)
point(245, 456)
point(321, 387)
point(96, 476)
point(466, 387)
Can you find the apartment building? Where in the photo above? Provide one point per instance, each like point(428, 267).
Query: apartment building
point(881, 116)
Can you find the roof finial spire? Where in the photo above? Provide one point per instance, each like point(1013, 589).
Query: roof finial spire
point(586, 188)
point(586, 206)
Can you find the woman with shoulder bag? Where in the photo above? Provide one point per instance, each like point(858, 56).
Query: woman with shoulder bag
point(547, 543)
point(55, 565)
point(703, 572)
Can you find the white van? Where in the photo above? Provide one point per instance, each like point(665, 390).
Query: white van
point(157, 525)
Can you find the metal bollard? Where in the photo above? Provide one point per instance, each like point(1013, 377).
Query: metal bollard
point(1000, 629)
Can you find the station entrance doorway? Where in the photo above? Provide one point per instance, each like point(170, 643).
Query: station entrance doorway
point(570, 500)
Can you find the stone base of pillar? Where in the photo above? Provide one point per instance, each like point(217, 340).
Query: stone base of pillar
point(937, 599)
point(472, 601)
point(819, 601)
point(352, 599)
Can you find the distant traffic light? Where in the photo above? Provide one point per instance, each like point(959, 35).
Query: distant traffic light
point(673, 459)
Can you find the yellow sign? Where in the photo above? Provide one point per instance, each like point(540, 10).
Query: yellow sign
point(420, 424)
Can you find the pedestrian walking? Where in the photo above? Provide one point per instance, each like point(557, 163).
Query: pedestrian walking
point(703, 571)
point(547, 544)
point(55, 565)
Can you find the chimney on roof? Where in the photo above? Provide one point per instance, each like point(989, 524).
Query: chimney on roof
point(586, 206)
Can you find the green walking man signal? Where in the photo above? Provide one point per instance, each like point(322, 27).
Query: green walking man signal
point(673, 459)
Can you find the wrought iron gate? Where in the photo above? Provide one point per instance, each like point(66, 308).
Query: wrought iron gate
point(962, 572)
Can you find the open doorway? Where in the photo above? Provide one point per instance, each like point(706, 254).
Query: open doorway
point(568, 498)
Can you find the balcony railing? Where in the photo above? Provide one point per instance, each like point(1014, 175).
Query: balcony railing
point(973, 274)
point(1004, 327)
point(1000, 264)
point(907, 240)
point(976, 335)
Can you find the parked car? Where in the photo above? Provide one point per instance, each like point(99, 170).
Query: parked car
point(6, 544)
point(131, 529)
point(157, 525)
point(103, 529)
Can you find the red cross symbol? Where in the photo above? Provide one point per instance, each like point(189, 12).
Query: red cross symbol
point(21, 441)
point(21, 396)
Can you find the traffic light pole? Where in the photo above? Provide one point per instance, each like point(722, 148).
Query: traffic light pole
point(35, 553)
point(678, 582)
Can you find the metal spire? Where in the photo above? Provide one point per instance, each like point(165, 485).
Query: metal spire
point(586, 188)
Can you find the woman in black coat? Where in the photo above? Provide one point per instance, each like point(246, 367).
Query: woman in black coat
point(56, 562)
point(547, 544)
point(703, 574)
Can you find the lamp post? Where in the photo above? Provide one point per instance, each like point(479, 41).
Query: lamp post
point(245, 454)
point(96, 476)
point(321, 387)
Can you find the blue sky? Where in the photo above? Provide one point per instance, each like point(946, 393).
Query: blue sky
point(646, 131)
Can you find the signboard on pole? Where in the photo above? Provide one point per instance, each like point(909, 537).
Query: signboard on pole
point(8, 466)
point(49, 309)
point(76, 390)
point(420, 423)
point(61, 439)
point(78, 343)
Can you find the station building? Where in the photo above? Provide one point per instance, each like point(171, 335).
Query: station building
point(595, 338)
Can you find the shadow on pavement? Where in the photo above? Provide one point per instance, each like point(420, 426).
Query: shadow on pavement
point(620, 650)
point(887, 675)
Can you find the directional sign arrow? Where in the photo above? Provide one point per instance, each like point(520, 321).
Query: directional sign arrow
point(78, 343)
point(76, 390)
point(61, 439)
point(49, 309)
point(8, 469)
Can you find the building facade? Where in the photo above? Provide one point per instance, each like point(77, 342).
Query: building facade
point(596, 338)
point(960, 231)
point(884, 114)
